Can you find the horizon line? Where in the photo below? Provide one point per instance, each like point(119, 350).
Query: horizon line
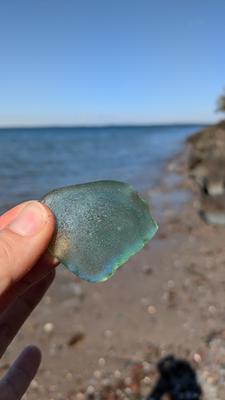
point(107, 125)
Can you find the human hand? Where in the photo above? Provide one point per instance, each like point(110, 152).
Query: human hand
point(25, 275)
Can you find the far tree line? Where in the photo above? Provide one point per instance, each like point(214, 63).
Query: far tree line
point(221, 103)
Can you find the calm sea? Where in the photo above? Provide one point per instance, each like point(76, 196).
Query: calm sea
point(35, 161)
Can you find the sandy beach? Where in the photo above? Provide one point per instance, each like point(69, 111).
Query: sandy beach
point(105, 340)
point(126, 91)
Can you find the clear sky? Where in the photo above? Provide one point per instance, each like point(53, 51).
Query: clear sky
point(120, 61)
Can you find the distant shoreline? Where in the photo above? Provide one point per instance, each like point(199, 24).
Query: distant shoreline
point(108, 126)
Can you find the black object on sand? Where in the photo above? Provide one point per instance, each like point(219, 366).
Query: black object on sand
point(177, 379)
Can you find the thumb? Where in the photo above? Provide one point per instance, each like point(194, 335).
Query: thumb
point(25, 232)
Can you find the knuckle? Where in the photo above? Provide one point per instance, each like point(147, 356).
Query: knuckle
point(7, 262)
point(7, 257)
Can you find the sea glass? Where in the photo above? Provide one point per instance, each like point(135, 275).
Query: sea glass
point(99, 226)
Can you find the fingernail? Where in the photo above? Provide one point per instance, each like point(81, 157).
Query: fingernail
point(30, 220)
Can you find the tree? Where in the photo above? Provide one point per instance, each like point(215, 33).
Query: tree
point(221, 103)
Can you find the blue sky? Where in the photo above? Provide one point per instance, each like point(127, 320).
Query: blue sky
point(122, 61)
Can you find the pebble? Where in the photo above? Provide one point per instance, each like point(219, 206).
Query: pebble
point(147, 380)
point(34, 384)
point(97, 374)
point(55, 348)
point(108, 333)
point(106, 382)
point(146, 366)
point(212, 380)
point(80, 396)
point(128, 381)
point(151, 310)
point(73, 289)
point(117, 374)
point(101, 362)
point(69, 376)
point(146, 269)
point(128, 391)
point(77, 290)
point(90, 389)
point(197, 358)
point(92, 382)
point(75, 339)
point(212, 309)
point(48, 327)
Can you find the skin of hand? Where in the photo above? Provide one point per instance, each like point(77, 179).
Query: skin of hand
point(26, 272)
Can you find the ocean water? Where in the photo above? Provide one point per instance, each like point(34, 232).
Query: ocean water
point(35, 161)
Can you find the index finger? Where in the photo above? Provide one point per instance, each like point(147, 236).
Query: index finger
point(17, 380)
point(15, 315)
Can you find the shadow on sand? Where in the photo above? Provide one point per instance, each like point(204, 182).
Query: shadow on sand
point(177, 380)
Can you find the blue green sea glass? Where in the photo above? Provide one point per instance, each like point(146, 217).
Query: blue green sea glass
point(100, 225)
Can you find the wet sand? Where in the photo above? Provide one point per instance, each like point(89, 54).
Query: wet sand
point(168, 299)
